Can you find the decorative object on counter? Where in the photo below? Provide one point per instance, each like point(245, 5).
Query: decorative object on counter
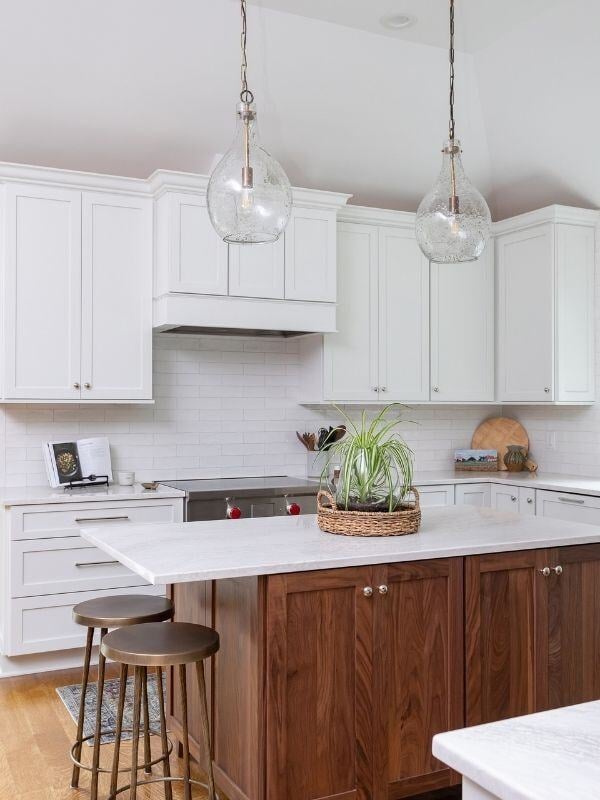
point(515, 458)
point(453, 221)
point(151, 486)
point(318, 445)
point(375, 478)
point(531, 465)
point(496, 433)
point(126, 478)
point(249, 195)
point(476, 460)
point(78, 463)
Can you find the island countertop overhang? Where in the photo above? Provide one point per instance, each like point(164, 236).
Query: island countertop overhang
point(199, 551)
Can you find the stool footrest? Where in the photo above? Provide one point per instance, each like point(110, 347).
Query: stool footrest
point(158, 760)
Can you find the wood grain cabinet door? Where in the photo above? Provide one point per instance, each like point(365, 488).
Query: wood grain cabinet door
point(574, 625)
point(418, 672)
point(506, 635)
point(319, 685)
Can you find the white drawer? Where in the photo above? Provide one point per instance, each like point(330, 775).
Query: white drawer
point(436, 495)
point(53, 566)
point(62, 519)
point(43, 624)
point(567, 506)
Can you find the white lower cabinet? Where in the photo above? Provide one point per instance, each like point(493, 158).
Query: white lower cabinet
point(568, 506)
point(473, 494)
point(48, 568)
point(519, 499)
point(442, 495)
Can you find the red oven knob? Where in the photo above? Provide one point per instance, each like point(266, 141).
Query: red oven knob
point(233, 512)
point(293, 509)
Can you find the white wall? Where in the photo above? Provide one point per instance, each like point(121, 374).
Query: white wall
point(224, 406)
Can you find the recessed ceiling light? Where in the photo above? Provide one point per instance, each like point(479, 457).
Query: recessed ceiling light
point(397, 21)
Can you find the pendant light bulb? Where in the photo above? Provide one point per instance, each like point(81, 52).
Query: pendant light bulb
point(453, 221)
point(249, 196)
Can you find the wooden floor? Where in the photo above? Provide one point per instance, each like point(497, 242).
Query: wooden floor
point(36, 733)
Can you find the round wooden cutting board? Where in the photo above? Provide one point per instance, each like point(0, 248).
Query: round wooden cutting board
point(496, 433)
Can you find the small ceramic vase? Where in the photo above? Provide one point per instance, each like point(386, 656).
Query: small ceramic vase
point(515, 458)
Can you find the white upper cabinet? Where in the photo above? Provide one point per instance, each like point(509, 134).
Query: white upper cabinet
point(192, 257)
point(42, 292)
point(545, 273)
point(257, 270)
point(116, 319)
point(462, 330)
point(403, 316)
point(351, 355)
point(310, 255)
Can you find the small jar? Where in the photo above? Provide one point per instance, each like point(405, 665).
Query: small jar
point(515, 458)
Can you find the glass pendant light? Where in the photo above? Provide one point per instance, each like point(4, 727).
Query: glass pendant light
point(249, 195)
point(453, 220)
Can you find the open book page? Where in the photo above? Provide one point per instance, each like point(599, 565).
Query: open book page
point(94, 457)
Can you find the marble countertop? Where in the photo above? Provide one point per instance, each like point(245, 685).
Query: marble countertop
point(39, 495)
point(554, 755)
point(196, 551)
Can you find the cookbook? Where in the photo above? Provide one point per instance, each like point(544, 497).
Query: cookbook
point(76, 462)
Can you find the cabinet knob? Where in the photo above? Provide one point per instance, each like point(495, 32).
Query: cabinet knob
point(76, 386)
point(383, 589)
point(87, 385)
point(547, 389)
point(436, 388)
point(376, 388)
point(530, 499)
point(368, 591)
point(382, 389)
point(545, 572)
point(513, 498)
point(558, 570)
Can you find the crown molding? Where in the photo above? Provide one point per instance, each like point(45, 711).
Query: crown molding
point(376, 216)
point(554, 213)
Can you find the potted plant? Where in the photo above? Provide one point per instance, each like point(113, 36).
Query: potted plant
point(374, 481)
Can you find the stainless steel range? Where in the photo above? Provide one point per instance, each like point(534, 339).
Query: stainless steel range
point(235, 498)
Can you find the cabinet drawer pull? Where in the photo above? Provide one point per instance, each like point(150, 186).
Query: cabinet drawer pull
point(383, 589)
point(100, 519)
point(513, 498)
point(579, 501)
point(530, 499)
point(94, 563)
point(545, 572)
point(558, 570)
point(368, 591)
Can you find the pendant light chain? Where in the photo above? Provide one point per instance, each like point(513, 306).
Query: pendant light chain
point(246, 95)
point(451, 125)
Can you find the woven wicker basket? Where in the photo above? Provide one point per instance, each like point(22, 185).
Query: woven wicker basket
point(487, 466)
point(368, 523)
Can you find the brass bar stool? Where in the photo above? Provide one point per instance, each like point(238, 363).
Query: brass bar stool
point(104, 613)
point(155, 645)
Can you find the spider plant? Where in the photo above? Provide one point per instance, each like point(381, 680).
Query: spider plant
point(376, 464)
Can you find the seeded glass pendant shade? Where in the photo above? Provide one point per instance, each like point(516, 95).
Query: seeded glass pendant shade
point(249, 195)
point(254, 208)
point(453, 220)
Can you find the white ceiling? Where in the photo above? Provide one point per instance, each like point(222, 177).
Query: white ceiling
point(478, 22)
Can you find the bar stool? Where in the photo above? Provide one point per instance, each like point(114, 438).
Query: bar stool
point(104, 613)
point(155, 645)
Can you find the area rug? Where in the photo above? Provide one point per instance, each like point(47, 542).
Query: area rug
point(71, 697)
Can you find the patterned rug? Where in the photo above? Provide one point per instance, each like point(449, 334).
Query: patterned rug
point(71, 697)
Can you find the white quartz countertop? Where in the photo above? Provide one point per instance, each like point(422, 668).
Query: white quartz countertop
point(195, 551)
point(39, 495)
point(535, 480)
point(554, 755)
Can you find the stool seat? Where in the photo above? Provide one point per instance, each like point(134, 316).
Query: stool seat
point(119, 610)
point(156, 645)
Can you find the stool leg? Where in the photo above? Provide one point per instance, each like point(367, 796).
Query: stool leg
point(98, 729)
point(147, 751)
point(163, 735)
point(80, 720)
point(122, 692)
point(137, 699)
point(186, 741)
point(205, 729)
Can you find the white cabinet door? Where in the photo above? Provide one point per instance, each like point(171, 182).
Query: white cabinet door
point(505, 498)
point(568, 507)
point(441, 495)
point(525, 262)
point(116, 344)
point(473, 494)
point(257, 270)
point(310, 255)
point(42, 292)
point(462, 330)
point(198, 257)
point(350, 356)
point(403, 317)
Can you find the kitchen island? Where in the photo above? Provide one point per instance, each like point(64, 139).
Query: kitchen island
point(342, 657)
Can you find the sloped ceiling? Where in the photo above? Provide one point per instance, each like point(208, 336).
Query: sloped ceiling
point(127, 86)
